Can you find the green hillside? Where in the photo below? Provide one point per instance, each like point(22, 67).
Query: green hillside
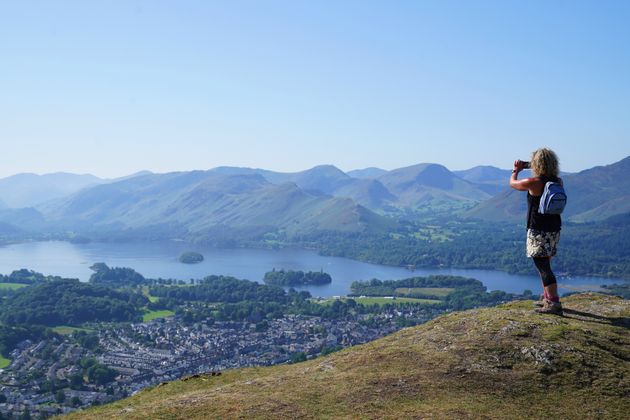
point(326, 179)
point(594, 194)
point(422, 184)
point(505, 362)
point(411, 187)
point(206, 204)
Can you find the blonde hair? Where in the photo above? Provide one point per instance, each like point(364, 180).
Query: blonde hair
point(545, 163)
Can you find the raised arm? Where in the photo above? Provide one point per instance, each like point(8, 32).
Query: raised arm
point(521, 184)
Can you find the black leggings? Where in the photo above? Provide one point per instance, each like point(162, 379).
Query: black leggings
point(544, 268)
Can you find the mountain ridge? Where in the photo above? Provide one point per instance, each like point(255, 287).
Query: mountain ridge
point(415, 191)
point(593, 194)
point(197, 203)
point(418, 184)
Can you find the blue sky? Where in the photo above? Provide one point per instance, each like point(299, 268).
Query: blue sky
point(113, 87)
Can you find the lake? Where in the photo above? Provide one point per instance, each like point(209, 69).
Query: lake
point(160, 259)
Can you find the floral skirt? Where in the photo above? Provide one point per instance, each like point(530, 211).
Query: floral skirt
point(541, 243)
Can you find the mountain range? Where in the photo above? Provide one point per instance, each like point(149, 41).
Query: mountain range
point(206, 204)
point(29, 190)
point(593, 194)
point(255, 202)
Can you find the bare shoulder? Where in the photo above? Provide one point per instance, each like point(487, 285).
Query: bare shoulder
point(526, 184)
point(536, 186)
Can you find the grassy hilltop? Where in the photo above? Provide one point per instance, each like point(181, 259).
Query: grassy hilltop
point(503, 362)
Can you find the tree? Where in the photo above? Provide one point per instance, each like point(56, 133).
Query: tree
point(298, 357)
point(100, 374)
point(60, 396)
point(76, 382)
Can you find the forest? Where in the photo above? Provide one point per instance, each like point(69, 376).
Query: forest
point(70, 302)
point(296, 278)
point(595, 248)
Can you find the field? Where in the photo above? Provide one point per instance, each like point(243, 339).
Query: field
point(67, 330)
point(151, 315)
point(12, 286)
point(145, 291)
point(4, 362)
point(382, 300)
point(437, 292)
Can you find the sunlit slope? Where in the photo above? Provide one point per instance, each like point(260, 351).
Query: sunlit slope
point(420, 184)
point(190, 203)
point(489, 178)
point(406, 188)
point(329, 180)
point(504, 362)
point(594, 194)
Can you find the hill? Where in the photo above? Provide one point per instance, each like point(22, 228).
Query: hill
point(503, 362)
point(593, 194)
point(70, 302)
point(485, 173)
point(414, 187)
point(489, 178)
point(28, 190)
point(427, 183)
point(367, 173)
point(23, 219)
point(207, 205)
point(328, 180)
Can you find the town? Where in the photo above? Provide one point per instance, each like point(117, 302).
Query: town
point(48, 377)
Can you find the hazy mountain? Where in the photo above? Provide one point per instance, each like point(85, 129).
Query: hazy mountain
point(485, 174)
point(325, 179)
point(593, 194)
point(323, 197)
point(28, 190)
point(491, 179)
point(135, 174)
point(413, 187)
point(331, 180)
point(199, 203)
point(367, 173)
point(24, 219)
point(7, 229)
point(493, 363)
point(426, 182)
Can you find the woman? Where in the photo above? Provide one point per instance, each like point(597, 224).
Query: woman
point(543, 230)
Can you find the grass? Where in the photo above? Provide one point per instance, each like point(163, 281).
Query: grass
point(151, 315)
point(67, 330)
point(492, 363)
point(4, 362)
point(145, 291)
point(437, 292)
point(12, 286)
point(382, 300)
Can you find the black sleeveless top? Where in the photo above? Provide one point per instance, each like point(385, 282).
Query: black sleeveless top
point(537, 221)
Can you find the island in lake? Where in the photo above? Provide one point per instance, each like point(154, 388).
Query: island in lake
point(191, 258)
point(296, 278)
